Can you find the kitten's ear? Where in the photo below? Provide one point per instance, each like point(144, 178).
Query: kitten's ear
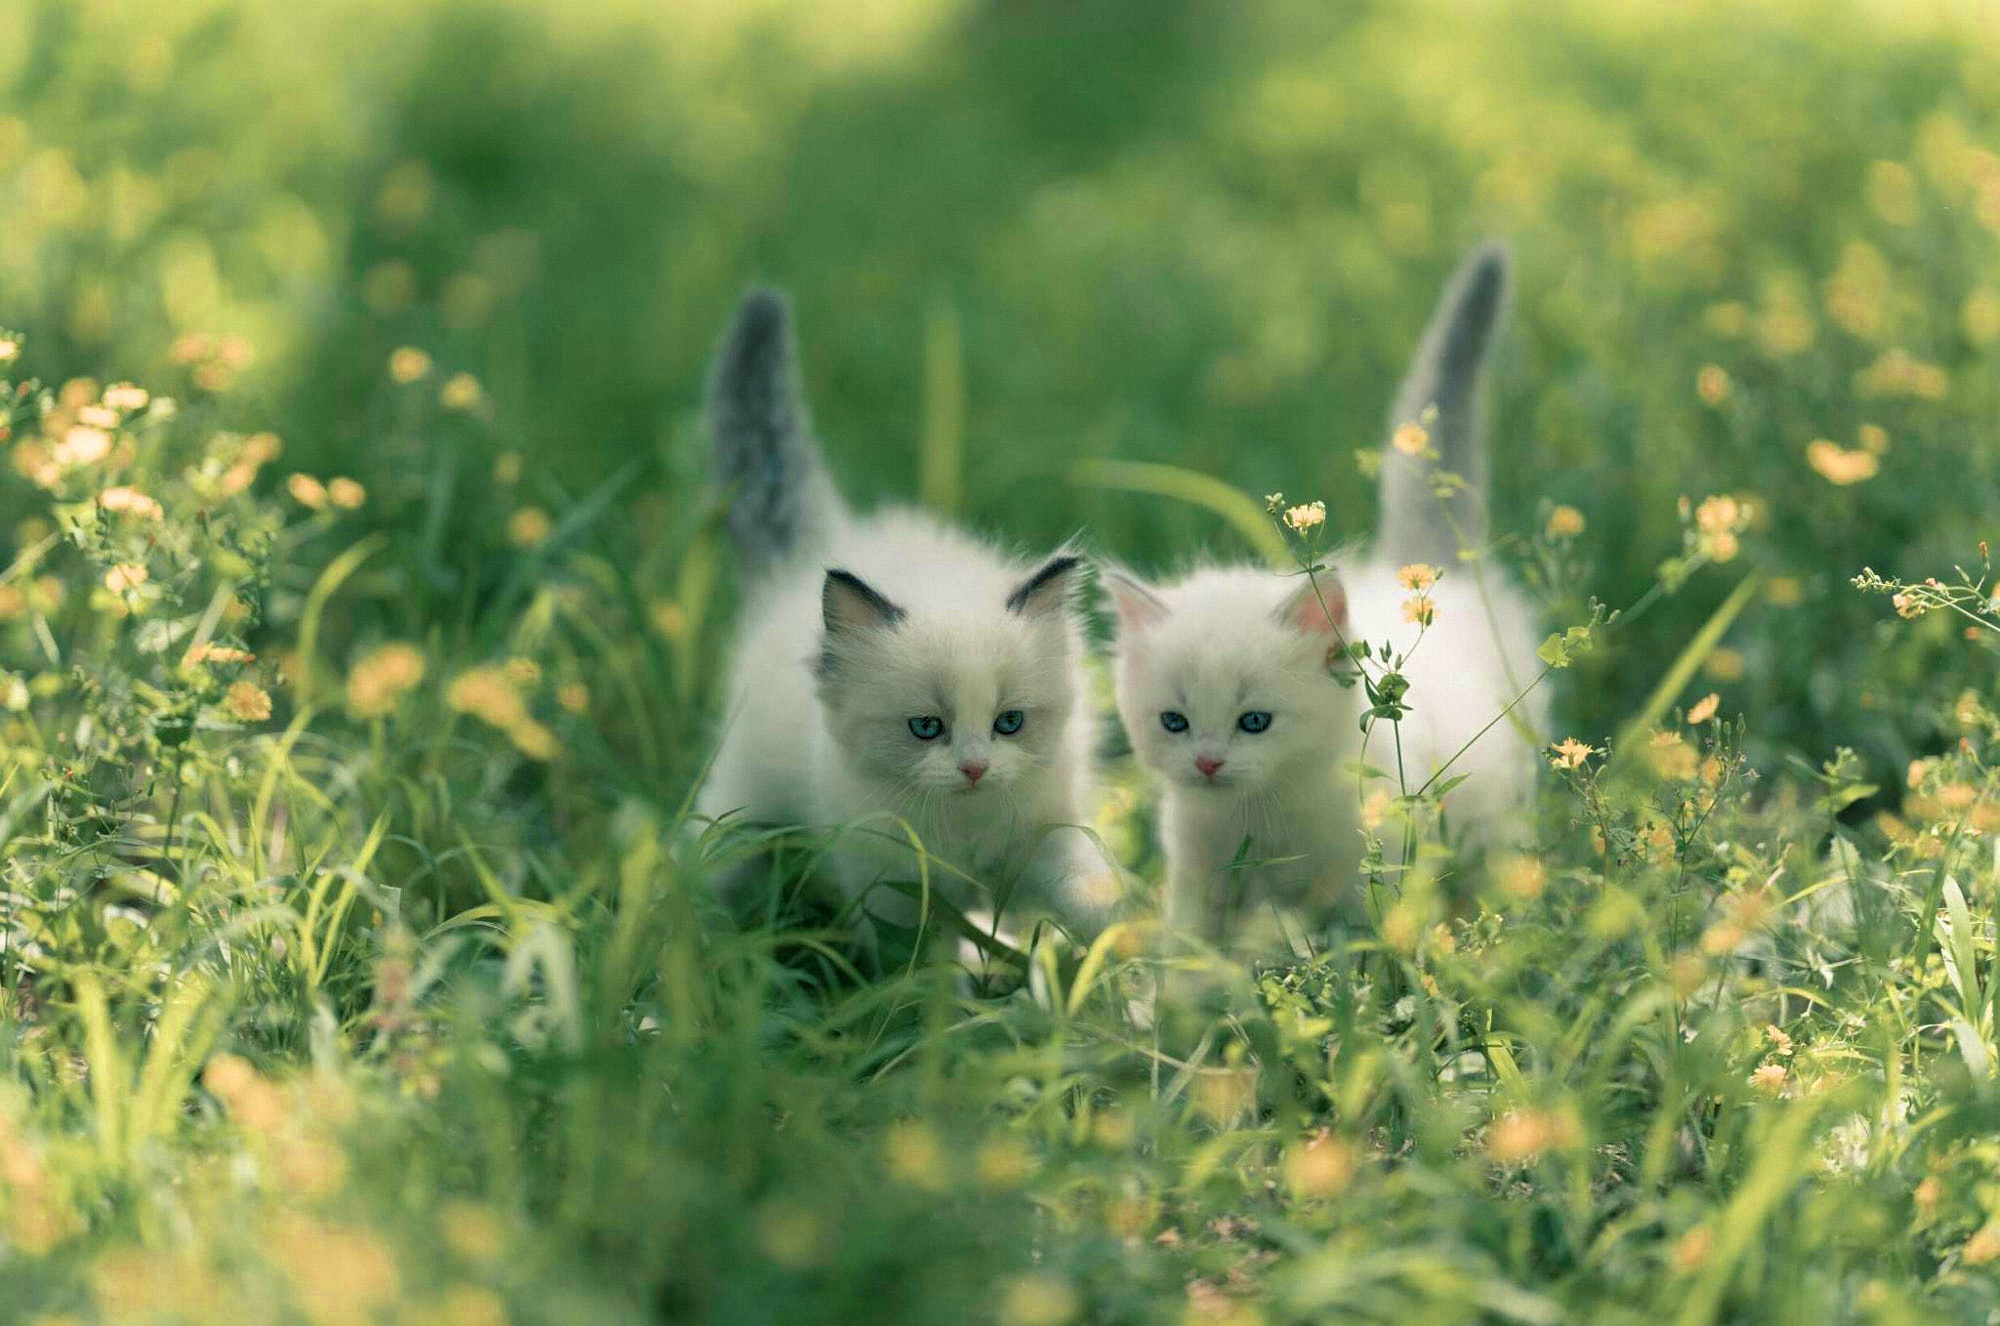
point(1318, 606)
point(847, 604)
point(1138, 607)
point(1048, 590)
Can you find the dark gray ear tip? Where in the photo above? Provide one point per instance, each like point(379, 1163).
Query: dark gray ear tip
point(762, 323)
point(1485, 275)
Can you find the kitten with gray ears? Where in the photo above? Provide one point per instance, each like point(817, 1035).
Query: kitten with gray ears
point(1226, 678)
point(892, 674)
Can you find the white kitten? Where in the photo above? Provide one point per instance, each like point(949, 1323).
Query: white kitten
point(891, 671)
point(1227, 683)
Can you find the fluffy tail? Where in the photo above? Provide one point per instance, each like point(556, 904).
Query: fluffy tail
point(782, 501)
point(1447, 375)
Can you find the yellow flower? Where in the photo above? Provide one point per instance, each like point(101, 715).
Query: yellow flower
point(307, 491)
point(1419, 609)
point(408, 363)
point(1769, 1078)
point(346, 494)
point(1519, 1136)
point(382, 677)
point(1418, 576)
point(1692, 1248)
point(527, 527)
point(1037, 1299)
point(1304, 519)
point(125, 396)
point(1670, 756)
point(1565, 522)
point(199, 654)
point(461, 392)
point(10, 349)
point(507, 469)
point(1411, 439)
point(1719, 520)
point(125, 576)
point(524, 672)
point(248, 702)
point(1896, 373)
point(486, 693)
point(1322, 1166)
point(128, 499)
point(1704, 709)
point(82, 445)
point(534, 740)
point(1570, 753)
point(1838, 466)
point(1523, 877)
point(915, 1155)
point(260, 449)
point(1874, 439)
point(1712, 385)
point(1983, 1246)
point(1726, 664)
point(574, 697)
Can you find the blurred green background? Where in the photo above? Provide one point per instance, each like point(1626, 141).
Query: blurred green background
point(1201, 233)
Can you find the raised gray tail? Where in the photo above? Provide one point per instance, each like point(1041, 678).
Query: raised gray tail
point(1445, 382)
point(766, 460)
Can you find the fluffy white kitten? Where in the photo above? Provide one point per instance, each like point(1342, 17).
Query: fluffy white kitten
point(1226, 679)
point(891, 671)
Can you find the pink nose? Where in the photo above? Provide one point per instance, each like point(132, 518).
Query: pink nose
point(1207, 765)
point(974, 770)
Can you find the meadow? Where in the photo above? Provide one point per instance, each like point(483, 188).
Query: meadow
point(365, 603)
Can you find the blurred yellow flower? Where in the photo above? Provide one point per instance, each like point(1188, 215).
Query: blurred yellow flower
point(507, 469)
point(1983, 1246)
point(915, 1155)
point(524, 672)
point(789, 1234)
point(1306, 518)
point(1712, 385)
point(10, 349)
point(1840, 467)
point(486, 693)
point(346, 493)
point(1898, 373)
point(124, 396)
point(1321, 1166)
point(1420, 609)
point(1411, 439)
point(340, 1275)
point(1718, 520)
point(125, 576)
point(1519, 1136)
point(1704, 709)
point(1565, 522)
point(130, 501)
point(1692, 1248)
point(1769, 1078)
point(527, 527)
point(248, 702)
point(1037, 1299)
point(260, 449)
point(1726, 664)
point(307, 491)
point(461, 392)
point(1874, 439)
point(408, 363)
point(1670, 756)
point(382, 677)
point(574, 697)
point(1003, 1162)
point(472, 1231)
point(199, 654)
point(82, 445)
point(1418, 576)
point(1525, 877)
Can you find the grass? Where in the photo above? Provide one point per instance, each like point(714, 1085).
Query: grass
point(359, 963)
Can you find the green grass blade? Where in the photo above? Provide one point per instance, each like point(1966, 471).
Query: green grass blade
point(1244, 513)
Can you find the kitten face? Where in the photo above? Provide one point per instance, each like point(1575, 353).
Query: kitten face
point(969, 702)
point(1223, 680)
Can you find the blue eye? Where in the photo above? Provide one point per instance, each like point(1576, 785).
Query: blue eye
point(1008, 723)
point(928, 727)
point(1255, 720)
point(1173, 720)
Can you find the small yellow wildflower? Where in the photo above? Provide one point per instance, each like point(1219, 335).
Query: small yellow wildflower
point(1321, 1166)
point(199, 654)
point(10, 349)
point(1838, 466)
point(1306, 518)
point(382, 677)
point(307, 491)
point(1522, 1135)
point(1411, 439)
point(1418, 576)
point(461, 392)
point(260, 449)
point(125, 396)
point(524, 672)
point(1704, 709)
point(1565, 522)
point(82, 445)
point(1719, 520)
point(1769, 1078)
point(408, 363)
point(472, 1231)
point(346, 494)
point(1874, 439)
point(915, 1155)
point(1692, 1248)
point(1420, 609)
point(507, 469)
point(527, 527)
point(130, 500)
point(485, 693)
point(1273, 501)
point(1524, 877)
point(124, 577)
point(1004, 1162)
point(668, 618)
point(574, 697)
point(1712, 385)
point(1037, 1298)
point(1983, 1246)
point(247, 702)
point(1670, 756)
point(1726, 664)
point(1569, 753)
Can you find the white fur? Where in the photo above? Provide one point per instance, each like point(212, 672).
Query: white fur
point(1223, 641)
point(836, 750)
